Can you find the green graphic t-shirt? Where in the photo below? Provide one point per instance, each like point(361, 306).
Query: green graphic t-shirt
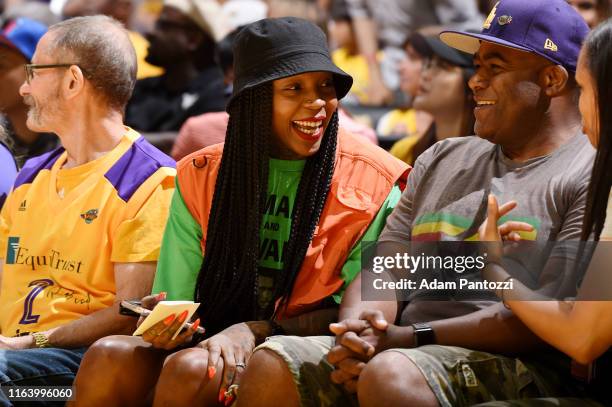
point(283, 182)
point(181, 256)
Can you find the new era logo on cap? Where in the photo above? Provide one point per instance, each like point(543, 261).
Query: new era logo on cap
point(550, 45)
point(549, 28)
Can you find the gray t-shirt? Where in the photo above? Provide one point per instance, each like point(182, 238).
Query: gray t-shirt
point(445, 200)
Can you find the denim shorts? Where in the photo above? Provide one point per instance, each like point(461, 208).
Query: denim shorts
point(38, 367)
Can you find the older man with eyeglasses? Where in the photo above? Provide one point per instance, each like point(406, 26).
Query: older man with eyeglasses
point(82, 227)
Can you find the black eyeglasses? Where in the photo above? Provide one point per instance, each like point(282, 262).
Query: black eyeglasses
point(29, 69)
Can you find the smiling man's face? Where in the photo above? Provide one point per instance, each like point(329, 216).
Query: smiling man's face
point(511, 102)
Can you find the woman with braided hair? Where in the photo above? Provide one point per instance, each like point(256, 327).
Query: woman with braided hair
point(265, 230)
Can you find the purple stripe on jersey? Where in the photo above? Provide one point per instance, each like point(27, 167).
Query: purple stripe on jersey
point(35, 165)
point(8, 172)
point(135, 166)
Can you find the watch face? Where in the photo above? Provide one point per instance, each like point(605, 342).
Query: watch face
point(423, 334)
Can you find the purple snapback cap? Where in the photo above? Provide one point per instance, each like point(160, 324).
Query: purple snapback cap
point(22, 35)
point(549, 28)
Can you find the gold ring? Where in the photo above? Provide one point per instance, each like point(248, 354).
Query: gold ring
point(232, 391)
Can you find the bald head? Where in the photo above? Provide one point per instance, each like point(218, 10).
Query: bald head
point(101, 47)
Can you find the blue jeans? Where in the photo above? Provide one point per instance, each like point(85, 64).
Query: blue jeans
point(38, 367)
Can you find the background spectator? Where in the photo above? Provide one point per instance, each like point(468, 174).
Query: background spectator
point(17, 44)
point(306, 9)
point(593, 11)
point(444, 93)
point(8, 170)
point(243, 12)
point(183, 43)
point(209, 128)
point(33, 10)
point(390, 22)
point(405, 121)
point(346, 54)
point(120, 10)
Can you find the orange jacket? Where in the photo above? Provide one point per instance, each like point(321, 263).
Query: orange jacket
point(364, 175)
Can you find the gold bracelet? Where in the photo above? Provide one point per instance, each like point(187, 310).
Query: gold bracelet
point(41, 340)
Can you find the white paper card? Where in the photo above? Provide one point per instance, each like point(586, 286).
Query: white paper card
point(163, 309)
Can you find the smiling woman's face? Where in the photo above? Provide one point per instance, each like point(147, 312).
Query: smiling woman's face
point(588, 11)
point(442, 89)
point(588, 100)
point(302, 107)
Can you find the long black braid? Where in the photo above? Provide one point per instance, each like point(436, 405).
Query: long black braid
point(599, 57)
point(227, 283)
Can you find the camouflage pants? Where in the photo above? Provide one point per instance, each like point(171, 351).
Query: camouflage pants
point(457, 376)
point(543, 402)
point(305, 358)
point(464, 377)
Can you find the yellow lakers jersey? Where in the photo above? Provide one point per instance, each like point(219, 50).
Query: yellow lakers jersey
point(62, 230)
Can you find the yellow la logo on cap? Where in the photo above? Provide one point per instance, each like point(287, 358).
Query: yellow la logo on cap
point(489, 20)
point(550, 45)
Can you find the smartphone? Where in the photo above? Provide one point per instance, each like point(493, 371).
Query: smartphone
point(134, 308)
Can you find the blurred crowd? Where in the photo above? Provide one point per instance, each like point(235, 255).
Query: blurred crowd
point(409, 89)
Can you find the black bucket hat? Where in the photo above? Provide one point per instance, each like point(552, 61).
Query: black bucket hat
point(275, 48)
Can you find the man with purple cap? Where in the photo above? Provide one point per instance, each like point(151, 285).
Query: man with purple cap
point(17, 44)
point(459, 347)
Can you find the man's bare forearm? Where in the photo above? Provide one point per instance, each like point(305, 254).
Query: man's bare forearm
point(88, 329)
point(492, 329)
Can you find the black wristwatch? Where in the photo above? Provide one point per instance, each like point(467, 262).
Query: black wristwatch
point(423, 334)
